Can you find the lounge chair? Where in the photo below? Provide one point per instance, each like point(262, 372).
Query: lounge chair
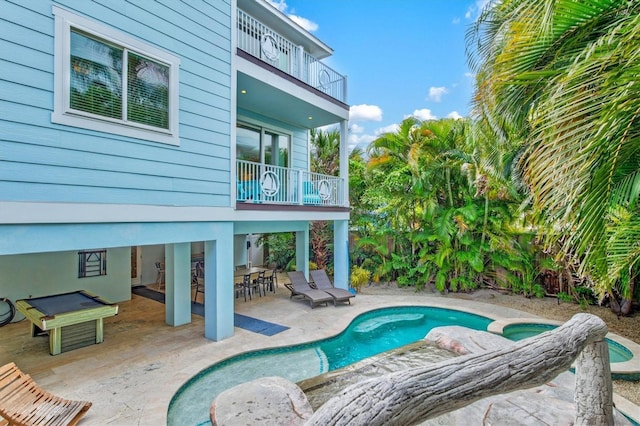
point(300, 287)
point(22, 402)
point(322, 282)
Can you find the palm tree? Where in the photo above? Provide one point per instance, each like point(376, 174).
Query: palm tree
point(325, 150)
point(325, 159)
point(561, 77)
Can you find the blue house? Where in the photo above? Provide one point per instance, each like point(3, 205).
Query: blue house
point(137, 132)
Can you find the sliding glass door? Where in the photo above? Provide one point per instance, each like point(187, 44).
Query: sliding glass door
point(259, 150)
point(262, 146)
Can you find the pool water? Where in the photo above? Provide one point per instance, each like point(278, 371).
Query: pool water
point(368, 334)
point(617, 352)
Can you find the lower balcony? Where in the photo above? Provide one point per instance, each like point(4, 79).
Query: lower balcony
point(267, 185)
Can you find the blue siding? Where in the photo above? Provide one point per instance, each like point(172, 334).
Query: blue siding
point(41, 161)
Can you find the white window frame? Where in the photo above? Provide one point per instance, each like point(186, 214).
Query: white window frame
point(62, 112)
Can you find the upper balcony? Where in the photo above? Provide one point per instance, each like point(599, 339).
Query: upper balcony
point(262, 185)
point(263, 42)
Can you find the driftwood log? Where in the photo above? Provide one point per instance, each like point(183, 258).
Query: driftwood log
point(415, 395)
point(594, 390)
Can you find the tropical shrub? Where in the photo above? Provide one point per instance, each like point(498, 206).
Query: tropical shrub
point(359, 277)
point(280, 249)
point(560, 77)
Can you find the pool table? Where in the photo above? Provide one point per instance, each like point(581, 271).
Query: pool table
point(73, 320)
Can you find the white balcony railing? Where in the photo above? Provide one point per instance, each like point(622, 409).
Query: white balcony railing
point(266, 44)
point(267, 184)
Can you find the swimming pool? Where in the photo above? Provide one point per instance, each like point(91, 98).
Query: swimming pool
point(368, 334)
point(624, 354)
point(617, 352)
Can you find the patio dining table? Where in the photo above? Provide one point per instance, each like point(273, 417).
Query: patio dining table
point(248, 271)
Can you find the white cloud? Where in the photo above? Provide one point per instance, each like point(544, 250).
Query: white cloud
point(470, 12)
point(469, 74)
point(356, 129)
point(474, 10)
point(454, 115)
point(455, 21)
point(481, 4)
point(329, 128)
point(391, 128)
point(436, 93)
point(304, 23)
point(356, 140)
point(281, 5)
point(422, 114)
point(365, 112)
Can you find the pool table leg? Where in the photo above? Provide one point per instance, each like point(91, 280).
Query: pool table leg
point(55, 341)
point(99, 330)
point(36, 331)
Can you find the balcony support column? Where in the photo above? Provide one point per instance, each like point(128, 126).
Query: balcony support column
point(177, 283)
point(343, 197)
point(302, 250)
point(341, 254)
point(218, 284)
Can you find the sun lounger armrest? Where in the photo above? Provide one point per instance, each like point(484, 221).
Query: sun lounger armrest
point(291, 289)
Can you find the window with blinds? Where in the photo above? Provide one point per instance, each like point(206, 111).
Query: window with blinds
point(99, 81)
point(109, 81)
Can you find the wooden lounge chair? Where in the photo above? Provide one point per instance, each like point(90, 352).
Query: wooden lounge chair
point(22, 402)
point(322, 282)
point(300, 287)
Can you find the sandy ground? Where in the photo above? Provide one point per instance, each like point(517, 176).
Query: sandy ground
point(548, 307)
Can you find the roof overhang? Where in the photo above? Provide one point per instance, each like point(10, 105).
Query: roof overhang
point(267, 91)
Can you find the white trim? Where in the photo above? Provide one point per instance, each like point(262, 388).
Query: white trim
point(233, 173)
point(31, 213)
point(62, 114)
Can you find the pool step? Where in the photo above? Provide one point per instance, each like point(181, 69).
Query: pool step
point(375, 323)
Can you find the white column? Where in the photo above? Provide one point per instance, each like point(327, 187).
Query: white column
point(177, 259)
point(344, 162)
point(302, 251)
point(218, 285)
point(341, 273)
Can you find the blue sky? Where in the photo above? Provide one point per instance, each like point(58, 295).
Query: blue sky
point(401, 57)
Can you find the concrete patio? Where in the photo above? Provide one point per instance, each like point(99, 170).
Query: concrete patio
point(132, 376)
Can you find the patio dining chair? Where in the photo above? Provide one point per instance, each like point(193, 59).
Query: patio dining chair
point(260, 280)
point(247, 286)
point(255, 284)
point(160, 277)
point(199, 281)
point(241, 287)
point(270, 281)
